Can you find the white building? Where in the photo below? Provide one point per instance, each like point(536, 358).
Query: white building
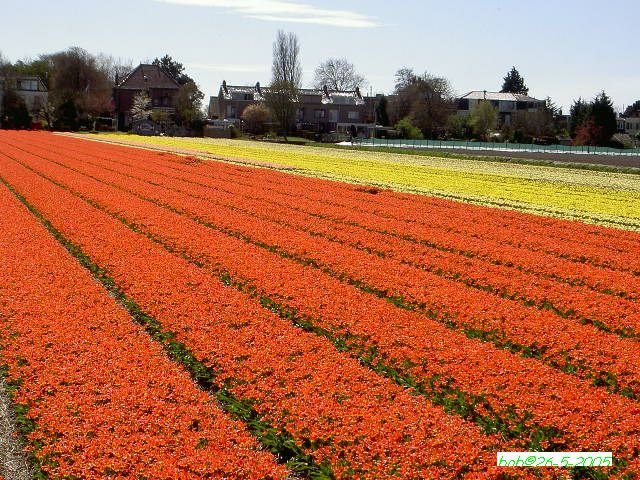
point(629, 125)
point(506, 104)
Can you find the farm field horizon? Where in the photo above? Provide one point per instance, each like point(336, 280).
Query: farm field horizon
point(209, 309)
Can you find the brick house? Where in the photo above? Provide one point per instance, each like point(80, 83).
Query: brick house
point(319, 110)
point(161, 87)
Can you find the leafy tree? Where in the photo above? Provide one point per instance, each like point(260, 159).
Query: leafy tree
point(67, 115)
point(514, 83)
point(76, 78)
point(255, 116)
point(382, 116)
point(580, 110)
point(458, 126)
point(189, 104)
point(483, 118)
point(426, 99)
point(338, 74)
point(551, 108)
point(5, 65)
point(588, 133)
point(408, 130)
point(41, 66)
point(282, 96)
point(173, 68)
point(594, 122)
point(14, 110)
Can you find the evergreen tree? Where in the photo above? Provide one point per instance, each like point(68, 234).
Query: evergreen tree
point(173, 68)
point(579, 112)
point(382, 116)
point(604, 116)
point(514, 83)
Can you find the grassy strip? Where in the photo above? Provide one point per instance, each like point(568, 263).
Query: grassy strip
point(278, 442)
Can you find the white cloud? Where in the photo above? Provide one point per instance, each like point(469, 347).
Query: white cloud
point(286, 11)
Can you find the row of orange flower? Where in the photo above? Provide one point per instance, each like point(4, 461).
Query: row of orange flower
point(565, 343)
point(577, 301)
point(104, 398)
point(400, 335)
point(555, 249)
point(347, 414)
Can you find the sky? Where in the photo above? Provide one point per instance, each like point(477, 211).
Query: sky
point(564, 50)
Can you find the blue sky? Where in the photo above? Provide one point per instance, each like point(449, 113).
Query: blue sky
point(563, 49)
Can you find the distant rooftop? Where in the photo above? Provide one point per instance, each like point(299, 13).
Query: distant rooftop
point(328, 96)
point(499, 96)
point(148, 76)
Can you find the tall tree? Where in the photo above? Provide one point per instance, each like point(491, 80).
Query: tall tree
point(338, 74)
point(173, 68)
point(579, 112)
point(114, 68)
point(189, 104)
point(382, 116)
point(425, 99)
point(604, 116)
point(5, 65)
point(514, 83)
point(282, 96)
point(76, 77)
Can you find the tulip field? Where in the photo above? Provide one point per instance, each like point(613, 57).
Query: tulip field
point(167, 316)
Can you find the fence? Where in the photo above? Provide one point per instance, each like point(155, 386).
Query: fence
point(497, 146)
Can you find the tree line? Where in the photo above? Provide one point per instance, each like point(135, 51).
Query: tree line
point(423, 105)
point(80, 89)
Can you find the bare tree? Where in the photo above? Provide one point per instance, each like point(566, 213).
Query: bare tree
point(282, 95)
point(338, 74)
point(426, 99)
point(114, 68)
point(5, 65)
point(286, 59)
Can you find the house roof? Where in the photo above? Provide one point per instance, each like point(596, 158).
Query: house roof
point(499, 96)
point(345, 97)
point(148, 76)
